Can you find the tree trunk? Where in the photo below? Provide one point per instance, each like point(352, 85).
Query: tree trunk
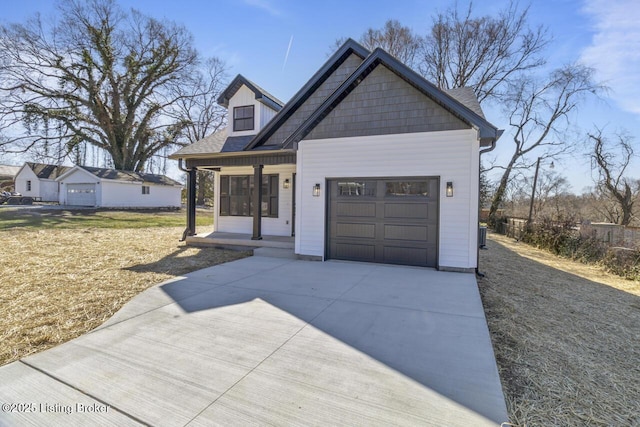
point(499, 194)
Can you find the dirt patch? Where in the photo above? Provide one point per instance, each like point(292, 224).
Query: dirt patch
point(566, 337)
point(58, 284)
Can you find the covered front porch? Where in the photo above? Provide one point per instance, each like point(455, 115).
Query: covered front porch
point(222, 239)
point(237, 222)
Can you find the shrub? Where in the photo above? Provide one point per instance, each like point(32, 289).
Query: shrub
point(623, 262)
point(563, 239)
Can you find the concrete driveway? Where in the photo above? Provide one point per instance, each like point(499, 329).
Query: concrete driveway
point(274, 341)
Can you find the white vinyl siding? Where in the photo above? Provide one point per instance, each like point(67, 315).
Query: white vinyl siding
point(24, 176)
point(450, 155)
point(116, 194)
point(280, 226)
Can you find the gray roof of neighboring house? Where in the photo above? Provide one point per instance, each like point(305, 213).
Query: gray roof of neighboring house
point(209, 144)
point(9, 171)
point(44, 171)
point(261, 94)
point(130, 176)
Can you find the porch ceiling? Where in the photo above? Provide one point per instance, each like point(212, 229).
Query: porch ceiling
point(244, 159)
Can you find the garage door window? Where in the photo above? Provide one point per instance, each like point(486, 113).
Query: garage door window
point(407, 188)
point(356, 188)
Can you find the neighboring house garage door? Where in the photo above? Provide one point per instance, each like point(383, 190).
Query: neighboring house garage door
point(386, 220)
point(81, 194)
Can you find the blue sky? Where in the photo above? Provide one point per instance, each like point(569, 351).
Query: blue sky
point(253, 37)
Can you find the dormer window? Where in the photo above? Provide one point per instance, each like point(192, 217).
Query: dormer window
point(243, 118)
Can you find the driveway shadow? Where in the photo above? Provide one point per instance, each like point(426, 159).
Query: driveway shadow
point(348, 329)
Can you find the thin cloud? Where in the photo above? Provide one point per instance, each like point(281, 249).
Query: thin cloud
point(264, 5)
point(615, 49)
point(286, 56)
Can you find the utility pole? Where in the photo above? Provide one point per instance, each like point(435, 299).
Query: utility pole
point(533, 193)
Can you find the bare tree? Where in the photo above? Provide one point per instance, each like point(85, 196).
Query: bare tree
point(484, 53)
point(550, 191)
point(97, 75)
point(611, 183)
point(396, 39)
point(198, 108)
point(538, 112)
point(197, 101)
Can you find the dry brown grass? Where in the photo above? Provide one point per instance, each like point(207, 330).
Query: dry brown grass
point(57, 284)
point(566, 337)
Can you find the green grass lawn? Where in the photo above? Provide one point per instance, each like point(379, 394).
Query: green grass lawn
point(98, 218)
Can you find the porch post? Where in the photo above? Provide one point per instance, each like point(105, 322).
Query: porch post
point(257, 202)
point(191, 202)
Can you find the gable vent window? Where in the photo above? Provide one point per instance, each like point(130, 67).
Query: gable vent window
point(145, 189)
point(243, 118)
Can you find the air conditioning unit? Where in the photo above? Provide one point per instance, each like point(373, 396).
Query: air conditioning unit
point(482, 237)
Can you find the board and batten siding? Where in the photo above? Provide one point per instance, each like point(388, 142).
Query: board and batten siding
point(451, 155)
point(280, 226)
point(314, 100)
point(262, 114)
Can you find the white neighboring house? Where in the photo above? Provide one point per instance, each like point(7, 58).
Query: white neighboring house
point(111, 188)
point(38, 180)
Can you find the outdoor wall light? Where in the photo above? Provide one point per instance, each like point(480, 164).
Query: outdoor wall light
point(449, 189)
point(316, 190)
point(286, 184)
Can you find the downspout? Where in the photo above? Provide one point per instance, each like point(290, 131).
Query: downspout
point(190, 230)
point(486, 150)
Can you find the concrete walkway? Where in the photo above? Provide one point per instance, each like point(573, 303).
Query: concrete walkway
point(274, 341)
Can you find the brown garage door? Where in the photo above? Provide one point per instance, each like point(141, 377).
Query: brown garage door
point(387, 220)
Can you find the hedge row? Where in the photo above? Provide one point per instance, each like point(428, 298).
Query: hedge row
point(561, 238)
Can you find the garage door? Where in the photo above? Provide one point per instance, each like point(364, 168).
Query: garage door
point(386, 220)
point(81, 194)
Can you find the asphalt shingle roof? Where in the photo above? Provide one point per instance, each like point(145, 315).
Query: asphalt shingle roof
point(209, 144)
point(467, 97)
point(44, 171)
point(130, 176)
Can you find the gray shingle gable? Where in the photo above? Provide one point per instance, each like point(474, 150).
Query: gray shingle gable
point(486, 130)
point(349, 48)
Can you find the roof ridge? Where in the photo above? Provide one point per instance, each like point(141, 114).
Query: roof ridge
point(260, 93)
